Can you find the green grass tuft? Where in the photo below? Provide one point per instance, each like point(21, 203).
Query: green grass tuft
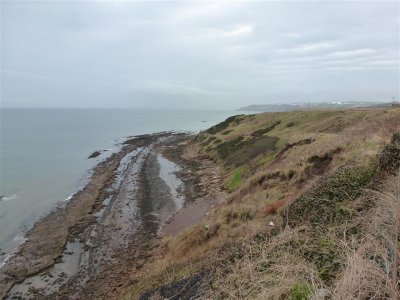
point(300, 291)
point(236, 180)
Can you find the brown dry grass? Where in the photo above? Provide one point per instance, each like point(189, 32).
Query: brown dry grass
point(272, 209)
point(372, 264)
point(277, 269)
point(284, 267)
point(268, 270)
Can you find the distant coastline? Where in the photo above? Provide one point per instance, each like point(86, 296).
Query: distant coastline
point(281, 107)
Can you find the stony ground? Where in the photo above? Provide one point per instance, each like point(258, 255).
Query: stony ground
point(93, 248)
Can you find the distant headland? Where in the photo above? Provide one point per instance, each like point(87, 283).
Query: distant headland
point(313, 105)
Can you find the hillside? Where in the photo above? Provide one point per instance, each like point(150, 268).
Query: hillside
point(312, 212)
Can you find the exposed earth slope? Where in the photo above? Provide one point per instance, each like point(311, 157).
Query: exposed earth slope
point(312, 212)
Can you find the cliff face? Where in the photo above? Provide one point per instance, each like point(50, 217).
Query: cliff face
point(312, 211)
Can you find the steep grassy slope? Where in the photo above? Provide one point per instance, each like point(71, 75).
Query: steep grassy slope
point(312, 211)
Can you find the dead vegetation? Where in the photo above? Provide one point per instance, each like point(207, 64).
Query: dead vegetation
point(372, 262)
point(269, 269)
point(329, 186)
point(321, 256)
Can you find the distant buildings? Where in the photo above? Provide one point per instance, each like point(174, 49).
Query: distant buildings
point(396, 104)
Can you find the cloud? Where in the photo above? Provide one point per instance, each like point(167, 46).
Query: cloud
point(308, 48)
point(165, 88)
point(354, 53)
point(238, 31)
point(225, 54)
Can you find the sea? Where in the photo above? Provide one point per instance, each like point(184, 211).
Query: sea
point(44, 155)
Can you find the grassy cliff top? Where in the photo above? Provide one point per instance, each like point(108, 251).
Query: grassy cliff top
point(312, 210)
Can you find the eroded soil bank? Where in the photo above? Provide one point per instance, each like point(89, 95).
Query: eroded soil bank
point(92, 248)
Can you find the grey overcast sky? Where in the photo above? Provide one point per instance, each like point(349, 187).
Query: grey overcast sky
point(197, 54)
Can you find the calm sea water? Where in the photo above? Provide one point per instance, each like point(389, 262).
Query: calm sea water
point(43, 154)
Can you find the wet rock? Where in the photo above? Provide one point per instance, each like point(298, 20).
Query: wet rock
point(94, 154)
point(99, 279)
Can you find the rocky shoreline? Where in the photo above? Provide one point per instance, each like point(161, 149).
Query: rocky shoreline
point(93, 247)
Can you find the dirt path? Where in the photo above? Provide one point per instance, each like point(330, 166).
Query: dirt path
point(191, 214)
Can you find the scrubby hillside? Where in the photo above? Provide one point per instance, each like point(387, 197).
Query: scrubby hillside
point(312, 212)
